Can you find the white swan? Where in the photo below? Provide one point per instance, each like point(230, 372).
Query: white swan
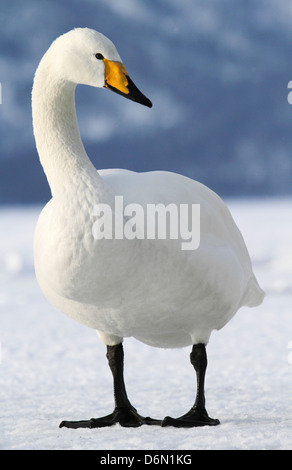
point(149, 289)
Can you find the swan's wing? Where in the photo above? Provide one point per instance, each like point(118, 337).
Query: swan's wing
point(112, 171)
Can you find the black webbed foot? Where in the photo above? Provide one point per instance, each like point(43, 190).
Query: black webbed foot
point(126, 417)
point(194, 418)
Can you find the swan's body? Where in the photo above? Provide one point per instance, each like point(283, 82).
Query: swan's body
point(149, 289)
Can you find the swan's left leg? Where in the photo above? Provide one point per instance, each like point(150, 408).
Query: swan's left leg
point(124, 413)
point(197, 416)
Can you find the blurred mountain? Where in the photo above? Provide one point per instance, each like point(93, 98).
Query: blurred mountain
point(216, 72)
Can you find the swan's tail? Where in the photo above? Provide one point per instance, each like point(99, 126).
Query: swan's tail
point(254, 295)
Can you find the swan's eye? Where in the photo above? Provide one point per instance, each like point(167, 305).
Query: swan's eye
point(99, 56)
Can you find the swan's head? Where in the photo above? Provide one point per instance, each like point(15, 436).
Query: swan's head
point(84, 56)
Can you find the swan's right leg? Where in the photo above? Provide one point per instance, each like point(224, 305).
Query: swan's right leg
point(124, 413)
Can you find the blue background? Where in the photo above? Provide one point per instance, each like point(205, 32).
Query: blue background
point(217, 73)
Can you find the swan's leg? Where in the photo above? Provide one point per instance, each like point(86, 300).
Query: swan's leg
point(197, 416)
point(124, 413)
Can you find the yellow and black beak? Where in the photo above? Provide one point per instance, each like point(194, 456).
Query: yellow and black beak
point(118, 80)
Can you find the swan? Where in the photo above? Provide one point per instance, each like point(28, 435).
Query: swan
point(150, 289)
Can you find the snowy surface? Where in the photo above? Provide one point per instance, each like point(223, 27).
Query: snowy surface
point(53, 368)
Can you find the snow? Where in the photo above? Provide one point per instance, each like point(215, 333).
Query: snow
point(52, 368)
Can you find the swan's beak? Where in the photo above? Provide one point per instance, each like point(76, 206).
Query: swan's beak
point(118, 80)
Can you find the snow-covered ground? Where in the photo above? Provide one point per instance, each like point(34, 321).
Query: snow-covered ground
point(53, 368)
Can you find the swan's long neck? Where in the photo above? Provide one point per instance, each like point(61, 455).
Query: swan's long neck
point(56, 131)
